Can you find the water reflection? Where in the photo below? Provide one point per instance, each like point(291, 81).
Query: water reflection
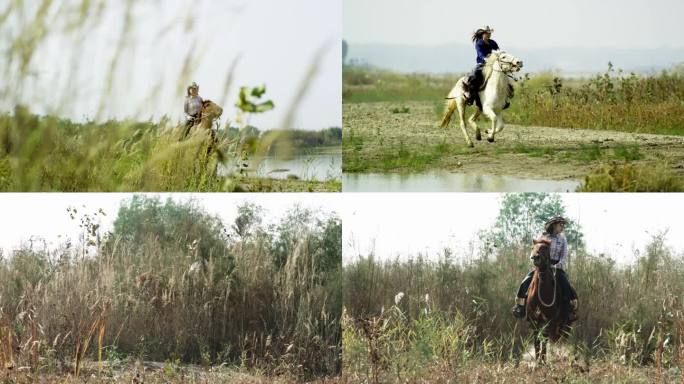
point(441, 181)
point(320, 164)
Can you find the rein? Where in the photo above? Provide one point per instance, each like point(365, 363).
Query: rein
point(554, 291)
point(509, 72)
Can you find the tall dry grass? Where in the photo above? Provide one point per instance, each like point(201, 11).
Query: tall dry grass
point(611, 100)
point(408, 320)
point(266, 299)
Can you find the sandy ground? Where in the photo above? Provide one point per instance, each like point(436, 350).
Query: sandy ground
point(522, 151)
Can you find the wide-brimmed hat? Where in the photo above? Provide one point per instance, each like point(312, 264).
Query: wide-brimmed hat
point(550, 222)
point(488, 29)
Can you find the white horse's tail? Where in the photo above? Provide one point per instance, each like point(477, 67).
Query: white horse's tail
point(450, 108)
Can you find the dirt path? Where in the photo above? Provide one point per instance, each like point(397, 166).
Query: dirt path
point(523, 151)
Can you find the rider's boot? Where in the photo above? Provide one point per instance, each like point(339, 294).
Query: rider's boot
point(473, 92)
point(519, 309)
point(572, 316)
point(467, 93)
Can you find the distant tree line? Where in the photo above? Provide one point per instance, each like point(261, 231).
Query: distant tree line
point(251, 137)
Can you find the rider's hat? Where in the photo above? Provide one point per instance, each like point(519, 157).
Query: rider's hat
point(191, 86)
point(488, 29)
point(550, 222)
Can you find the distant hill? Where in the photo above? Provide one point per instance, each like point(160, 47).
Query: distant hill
point(461, 57)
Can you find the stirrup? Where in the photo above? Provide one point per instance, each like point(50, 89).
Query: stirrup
point(518, 311)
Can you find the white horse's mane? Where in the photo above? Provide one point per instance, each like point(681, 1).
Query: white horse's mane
point(489, 63)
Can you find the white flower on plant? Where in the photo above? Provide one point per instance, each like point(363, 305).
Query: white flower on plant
point(398, 297)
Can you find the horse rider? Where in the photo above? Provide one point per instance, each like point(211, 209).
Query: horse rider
point(193, 106)
point(484, 45)
point(558, 252)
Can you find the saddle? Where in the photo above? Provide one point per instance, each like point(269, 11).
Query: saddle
point(474, 92)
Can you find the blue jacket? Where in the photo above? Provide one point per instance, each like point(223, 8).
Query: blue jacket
point(483, 49)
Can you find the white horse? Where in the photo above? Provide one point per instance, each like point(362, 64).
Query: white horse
point(498, 66)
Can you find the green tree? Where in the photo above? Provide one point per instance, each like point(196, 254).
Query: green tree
point(248, 220)
point(522, 216)
point(171, 225)
point(297, 222)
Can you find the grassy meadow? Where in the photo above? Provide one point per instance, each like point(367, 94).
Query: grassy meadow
point(612, 120)
point(445, 317)
point(42, 150)
point(173, 294)
point(612, 100)
point(53, 154)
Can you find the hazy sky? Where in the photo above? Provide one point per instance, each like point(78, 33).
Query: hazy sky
point(400, 224)
point(276, 42)
point(44, 215)
point(519, 24)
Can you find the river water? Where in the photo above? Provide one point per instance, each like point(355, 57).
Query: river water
point(442, 181)
point(318, 164)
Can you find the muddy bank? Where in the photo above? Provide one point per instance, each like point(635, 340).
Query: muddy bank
point(373, 132)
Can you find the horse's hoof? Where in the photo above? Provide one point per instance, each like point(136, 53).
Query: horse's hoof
point(490, 139)
point(478, 136)
point(471, 145)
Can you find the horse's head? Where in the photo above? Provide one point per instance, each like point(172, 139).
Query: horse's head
point(505, 62)
point(211, 110)
point(541, 253)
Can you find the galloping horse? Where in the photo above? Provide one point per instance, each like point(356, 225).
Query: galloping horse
point(205, 121)
point(496, 93)
point(210, 112)
point(544, 300)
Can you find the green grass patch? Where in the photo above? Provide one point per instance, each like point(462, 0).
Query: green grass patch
point(591, 152)
point(401, 110)
point(629, 177)
point(361, 84)
point(629, 153)
point(405, 158)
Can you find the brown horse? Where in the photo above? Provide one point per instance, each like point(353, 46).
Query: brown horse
point(205, 121)
point(544, 300)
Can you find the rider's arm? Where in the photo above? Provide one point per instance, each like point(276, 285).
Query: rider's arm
point(563, 261)
point(479, 47)
point(187, 107)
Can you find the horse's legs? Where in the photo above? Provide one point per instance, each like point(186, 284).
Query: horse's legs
point(212, 141)
point(537, 351)
point(544, 346)
point(491, 115)
point(472, 122)
point(499, 124)
point(460, 105)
